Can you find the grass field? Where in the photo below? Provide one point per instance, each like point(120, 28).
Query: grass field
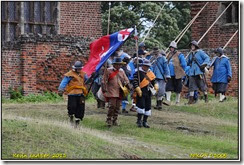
point(42, 131)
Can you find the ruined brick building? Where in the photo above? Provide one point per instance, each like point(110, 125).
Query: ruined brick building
point(41, 40)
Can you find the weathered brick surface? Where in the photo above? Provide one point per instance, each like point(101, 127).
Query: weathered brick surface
point(81, 19)
point(11, 70)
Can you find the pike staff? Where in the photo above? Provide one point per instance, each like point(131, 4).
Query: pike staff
point(182, 33)
point(153, 23)
point(210, 28)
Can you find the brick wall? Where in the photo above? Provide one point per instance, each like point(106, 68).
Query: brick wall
point(81, 19)
point(220, 33)
point(11, 70)
point(38, 62)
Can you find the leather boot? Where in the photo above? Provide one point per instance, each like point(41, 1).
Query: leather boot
point(139, 122)
point(102, 105)
point(160, 105)
point(109, 122)
point(206, 98)
point(98, 103)
point(71, 119)
point(145, 124)
point(77, 122)
point(157, 105)
point(191, 100)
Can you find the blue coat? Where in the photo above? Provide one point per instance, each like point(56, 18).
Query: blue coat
point(182, 63)
point(160, 68)
point(202, 58)
point(222, 70)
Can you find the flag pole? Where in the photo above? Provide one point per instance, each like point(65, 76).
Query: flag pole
point(210, 27)
point(137, 55)
point(153, 23)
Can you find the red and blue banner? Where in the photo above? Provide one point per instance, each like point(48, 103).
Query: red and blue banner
point(103, 48)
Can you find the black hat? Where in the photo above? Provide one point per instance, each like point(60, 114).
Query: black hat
point(219, 50)
point(117, 60)
point(77, 65)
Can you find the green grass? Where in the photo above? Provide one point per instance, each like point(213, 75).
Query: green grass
point(43, 128)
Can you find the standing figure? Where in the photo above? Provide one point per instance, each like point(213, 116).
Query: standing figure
point(177, 65)
point(197, 61)
point(221, 74)
point(144, 79)
point(73, 84)
point(96, 86)
point(111, 87)
point(161, 70)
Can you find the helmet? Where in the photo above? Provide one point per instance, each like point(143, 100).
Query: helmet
point(173, 44)
point(219, 50)
point(77, 65)
point(194, 43)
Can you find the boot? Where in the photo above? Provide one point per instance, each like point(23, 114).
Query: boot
point(102, 105)
point(71, 119)
point(109, 122)
point(191, 100)
point(145, 122)
point(77, 122)
point(206, 98)
point(139, 122)
point(115, 123)
point(159, 104)
point(98, 103)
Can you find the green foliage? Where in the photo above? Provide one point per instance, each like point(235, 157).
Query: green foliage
point(15, 93)
point(35, 98)
point(174, 17)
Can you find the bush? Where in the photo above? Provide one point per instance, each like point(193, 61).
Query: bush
point(15, 93)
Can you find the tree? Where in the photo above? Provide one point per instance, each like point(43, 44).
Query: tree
point(174, 17)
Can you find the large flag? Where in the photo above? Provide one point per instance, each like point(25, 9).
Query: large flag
point(103, 48)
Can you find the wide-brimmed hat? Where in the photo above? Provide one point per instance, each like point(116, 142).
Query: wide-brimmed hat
point(146, 63)
point(195, 43)
point(219, 50)
point(118, 60)
point(77, 65)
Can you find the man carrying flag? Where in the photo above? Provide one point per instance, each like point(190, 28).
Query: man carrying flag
point(111, 87)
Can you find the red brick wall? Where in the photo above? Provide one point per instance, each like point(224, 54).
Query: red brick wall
point(11, 70)
point(81, 19)
point(219, 34)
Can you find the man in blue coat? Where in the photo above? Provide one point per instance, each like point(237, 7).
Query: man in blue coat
point(161, 70)
point(197, 61)
point(177, 65)
point(221, 74)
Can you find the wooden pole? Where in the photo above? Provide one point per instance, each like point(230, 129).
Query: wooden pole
point(153, 23)
point(210, 27)
point(181, 34)
point(108, 17)
point(230, 39)
point(137, 55)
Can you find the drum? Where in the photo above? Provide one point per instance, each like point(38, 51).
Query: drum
point(100, 94)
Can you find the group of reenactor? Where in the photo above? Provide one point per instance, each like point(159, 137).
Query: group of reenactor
point(142, 76)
